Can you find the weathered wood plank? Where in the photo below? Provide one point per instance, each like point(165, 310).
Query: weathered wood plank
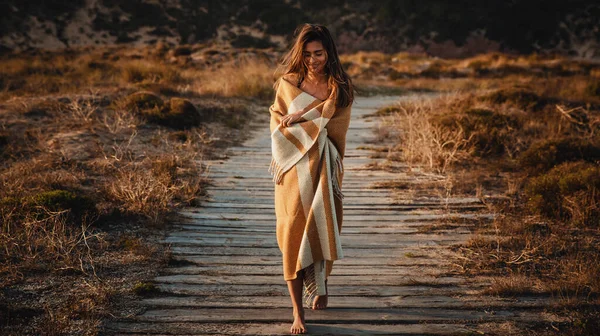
point(359, 280)
point(333, 316)
point(349, 329)
point(348, 301)
point(211, 290)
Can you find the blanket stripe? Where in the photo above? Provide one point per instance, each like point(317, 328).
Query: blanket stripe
point(307, 166)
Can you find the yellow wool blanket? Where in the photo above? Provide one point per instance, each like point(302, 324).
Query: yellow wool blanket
point(308, 171)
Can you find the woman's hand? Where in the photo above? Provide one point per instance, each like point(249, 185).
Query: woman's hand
point(289, 119)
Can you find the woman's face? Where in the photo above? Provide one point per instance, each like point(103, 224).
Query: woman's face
point(315, 57)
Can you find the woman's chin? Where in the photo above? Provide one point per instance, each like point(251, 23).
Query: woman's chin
point(316, 70)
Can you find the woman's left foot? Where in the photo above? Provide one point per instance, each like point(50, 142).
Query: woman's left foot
point(320, 302)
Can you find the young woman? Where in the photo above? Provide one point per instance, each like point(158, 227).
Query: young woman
point(309, 122)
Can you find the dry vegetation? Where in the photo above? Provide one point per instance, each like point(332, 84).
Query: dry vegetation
point(99, 148)
point(527, 132)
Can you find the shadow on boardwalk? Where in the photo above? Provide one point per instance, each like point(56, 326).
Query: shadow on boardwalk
point(396, 277)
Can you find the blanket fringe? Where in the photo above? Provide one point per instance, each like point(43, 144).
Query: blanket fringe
point(276, 171)
point(338, 170)
point(313, 286)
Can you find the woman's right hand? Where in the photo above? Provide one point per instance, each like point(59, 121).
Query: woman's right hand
point(289, 119)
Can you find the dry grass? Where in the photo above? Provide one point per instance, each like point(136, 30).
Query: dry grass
point(247, 77)
point(401, 66)
point(69, 137)
point(219, 71)
point(422, 141)
point(529, 149)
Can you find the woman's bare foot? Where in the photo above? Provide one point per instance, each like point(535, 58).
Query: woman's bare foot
point(298, 327)
point(320, 302)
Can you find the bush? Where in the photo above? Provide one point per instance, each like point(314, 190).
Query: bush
point(3, 140)
point(61, 200)
point(525, 99)
point(142, 101)
point(569, 191)
point(542, 156)
point(182, 51)
point(178, 114)
point(145, 288)
point(593, 88)
point(490, 133)
point(137, 71)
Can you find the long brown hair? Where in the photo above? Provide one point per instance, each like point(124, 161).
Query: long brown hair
point(293, 61)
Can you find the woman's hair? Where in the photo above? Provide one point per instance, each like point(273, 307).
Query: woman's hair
point(293, 61)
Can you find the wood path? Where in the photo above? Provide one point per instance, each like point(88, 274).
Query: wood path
point(396, 277)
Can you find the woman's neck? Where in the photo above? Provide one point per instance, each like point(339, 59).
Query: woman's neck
point(317, 78)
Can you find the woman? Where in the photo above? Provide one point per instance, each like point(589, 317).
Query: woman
point(309, 121)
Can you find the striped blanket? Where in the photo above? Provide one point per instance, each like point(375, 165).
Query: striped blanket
point(308, 171)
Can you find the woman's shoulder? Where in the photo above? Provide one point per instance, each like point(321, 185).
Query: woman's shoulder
point(293, 78)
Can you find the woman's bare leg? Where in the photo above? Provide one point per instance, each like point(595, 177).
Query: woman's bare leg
point(320, 301)
point(295, 289)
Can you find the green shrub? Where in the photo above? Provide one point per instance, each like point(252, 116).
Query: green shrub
point(569, 191)
point(542, 156)
point(9, 203)
point(60, 200)
point(145, 288)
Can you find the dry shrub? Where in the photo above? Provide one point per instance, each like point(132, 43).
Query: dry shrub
point(44, 239)
point(525, 99)
point(490, 132)
point(569, 191)
point(546, 154)
point(143, 100)
point(424, 141)
point(138, 71)
point(43, 173)
point(140, 192)
point(119, 120)
point(593, 88)
point(178, 113)
point(155, 186)
point(245, 78)
point(512, 285)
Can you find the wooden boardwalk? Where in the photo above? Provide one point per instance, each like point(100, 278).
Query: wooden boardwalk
point(396, 277)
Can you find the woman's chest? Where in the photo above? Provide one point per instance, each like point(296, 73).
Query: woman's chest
point(318, 91)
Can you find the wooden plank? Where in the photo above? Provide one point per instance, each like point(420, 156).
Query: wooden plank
point(276, 270)
point(359, 280)
point(332, 316)
point(349, 329)
point(384, 255)
point(420, 214)
point(282, 290)
point(250, 229)
point(348, 301)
